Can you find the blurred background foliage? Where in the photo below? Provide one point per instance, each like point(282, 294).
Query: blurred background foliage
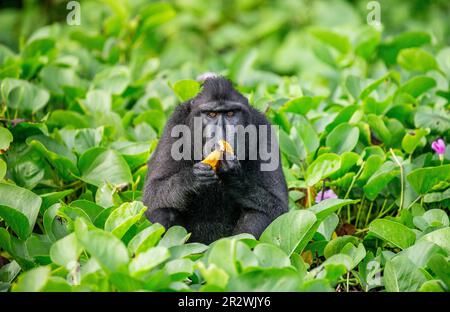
point(192, 33)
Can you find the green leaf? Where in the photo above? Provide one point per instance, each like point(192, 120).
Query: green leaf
point(84, 139)
point(270, 256)
point(113, 80)
point(417, 85)
point(24, 96)
point(439, 237)
point(122, 218)
point(62, 118)
point(392, 232)
point(327, 226)
point(247, 260)
point(379, 128)
point(19, 208)
point(421, 252)
point(52, 198)
point(316, 285)
point(2, 169)
point(335, 266)
point(272, 279)
point(380, 179)
point(300, 105)
point(124, 282)
point(155, 118)
point(38, 47)
point(5, 139)
point(334, 39)
point(390, 49)
point(57, 155)
point(431, 218)
point(213, 275)
point(176, 235)
point(372, 164)
point(345, 115)
point(415, 59)
point(435, 119)
point(135, 153)
point(98, 165)
point(400, 274)
point(187, 250)
point(186, 89)
point(145, 239)
point(33, 280)
point(440, 266)
point(107, 196)
point(65, 252)
point(147, 260)
point(179, 269)
point(307, 135)
point(348, 161)
point(326, 207)
point(53, 229)
point(107, 249)
point(98, 102)
point(424, 180)
point(9, 271)
point(373, 86)
point(343, 138)
point(413, 139)
point(223, 255)
point(56, 78)
point(436, 196)
point(431, 286)
point(322, 167)
point(289, 148)
point(356, 253)
point(290, 231)
point(353, 85)
point(90, 208)
point(335, 246)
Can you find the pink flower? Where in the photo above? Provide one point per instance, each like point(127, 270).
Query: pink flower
point(438, 146)
point(325, 195)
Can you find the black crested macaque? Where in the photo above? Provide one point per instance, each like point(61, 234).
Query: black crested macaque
point(239, 197)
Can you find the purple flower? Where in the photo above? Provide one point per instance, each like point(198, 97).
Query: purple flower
point(325, 195)
point(438, 146)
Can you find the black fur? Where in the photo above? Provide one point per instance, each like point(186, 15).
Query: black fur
point(245, 201)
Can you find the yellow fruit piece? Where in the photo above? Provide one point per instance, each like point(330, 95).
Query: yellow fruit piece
point(225, 147)
point(213, 158)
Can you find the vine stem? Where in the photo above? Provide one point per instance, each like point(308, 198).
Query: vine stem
point(368, 214)
point(361, 206)
point(350, 188)
point(348, 277)
point(402, 178)
point(354, 180)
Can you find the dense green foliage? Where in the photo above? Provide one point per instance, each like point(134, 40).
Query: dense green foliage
point(358, 108)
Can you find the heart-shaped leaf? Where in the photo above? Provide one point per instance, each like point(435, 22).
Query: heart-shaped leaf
point(19, 208)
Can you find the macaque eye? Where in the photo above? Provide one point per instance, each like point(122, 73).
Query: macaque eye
point(212, 114)
point(230, 114)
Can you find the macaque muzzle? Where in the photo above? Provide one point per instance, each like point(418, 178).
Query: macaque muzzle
point(214, 157)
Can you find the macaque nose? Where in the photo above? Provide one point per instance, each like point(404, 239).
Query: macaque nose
point(224, 132)
point(220, 132)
